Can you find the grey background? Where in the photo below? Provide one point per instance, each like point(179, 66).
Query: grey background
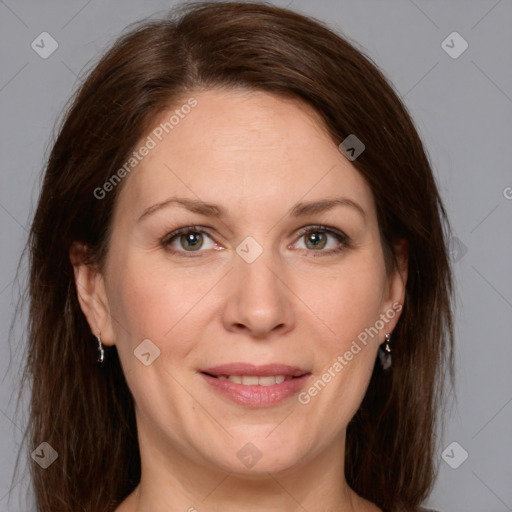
point(463, 110)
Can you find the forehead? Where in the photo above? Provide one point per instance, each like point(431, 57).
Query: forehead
point(244, 148)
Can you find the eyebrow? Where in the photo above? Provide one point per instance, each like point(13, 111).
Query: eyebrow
point(213, 210)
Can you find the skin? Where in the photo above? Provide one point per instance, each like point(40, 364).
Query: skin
point(256, 155)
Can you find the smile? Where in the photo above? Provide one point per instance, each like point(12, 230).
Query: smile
point(255, 386)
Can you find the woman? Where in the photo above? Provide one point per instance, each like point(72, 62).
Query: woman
point(240, 290)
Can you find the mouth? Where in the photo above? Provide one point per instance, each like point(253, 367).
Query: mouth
point(254, 380)
point(256, 386)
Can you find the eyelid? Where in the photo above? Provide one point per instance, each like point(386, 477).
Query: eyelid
point(169, 237)
point(343, 239)
point(321, 227)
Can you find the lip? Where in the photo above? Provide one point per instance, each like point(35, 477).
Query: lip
point(256, 396)
point(251, 369)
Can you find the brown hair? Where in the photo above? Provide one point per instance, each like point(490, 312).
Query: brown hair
point(86, 412)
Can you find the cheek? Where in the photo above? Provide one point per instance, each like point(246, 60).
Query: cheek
point(350, 300)
point(150, 301)
point(150, 304)
point(350, 305)
point(346, 356)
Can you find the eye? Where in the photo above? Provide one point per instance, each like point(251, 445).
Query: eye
point(317, 239)
point(195, 239)
point(189, 239)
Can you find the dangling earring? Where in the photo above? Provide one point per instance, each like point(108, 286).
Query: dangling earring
point(385, 353)
point(101, 352)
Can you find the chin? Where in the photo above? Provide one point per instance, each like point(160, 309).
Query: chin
point(256, 455)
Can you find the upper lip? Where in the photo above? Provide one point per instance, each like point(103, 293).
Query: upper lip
point(251, 369)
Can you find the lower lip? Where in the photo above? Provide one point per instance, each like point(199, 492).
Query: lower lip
point(257, 396)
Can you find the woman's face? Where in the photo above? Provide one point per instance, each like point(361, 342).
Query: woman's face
point(247, 292)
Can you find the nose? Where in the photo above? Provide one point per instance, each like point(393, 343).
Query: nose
point(258, 302)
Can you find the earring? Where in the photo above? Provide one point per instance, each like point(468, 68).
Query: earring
point(385, 353)
point(101, 352)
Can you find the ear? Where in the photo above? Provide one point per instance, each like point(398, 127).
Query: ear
point(91, 293)
point(396, 283)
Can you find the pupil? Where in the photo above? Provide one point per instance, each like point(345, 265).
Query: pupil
point(193, 239)
point(318, 240)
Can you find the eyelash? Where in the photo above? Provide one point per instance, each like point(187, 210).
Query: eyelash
point(341, 237)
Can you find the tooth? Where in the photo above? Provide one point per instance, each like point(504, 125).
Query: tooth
point(267, 381)
point(255, 380)
point(250, 380)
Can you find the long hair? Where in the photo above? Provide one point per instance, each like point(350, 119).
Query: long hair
point(86, 412)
